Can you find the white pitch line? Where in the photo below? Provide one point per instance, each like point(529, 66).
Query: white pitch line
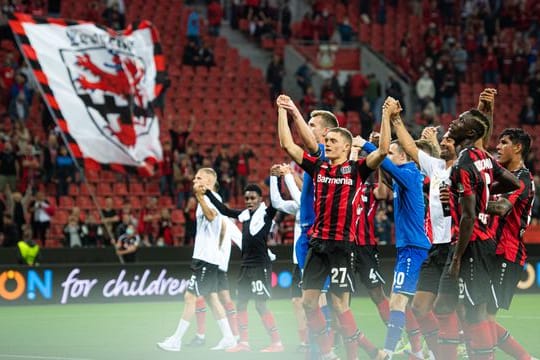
point(18, 356)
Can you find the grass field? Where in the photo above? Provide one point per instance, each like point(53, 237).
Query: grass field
point(130, 331)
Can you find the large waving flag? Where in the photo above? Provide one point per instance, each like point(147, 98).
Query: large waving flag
point(101, 87)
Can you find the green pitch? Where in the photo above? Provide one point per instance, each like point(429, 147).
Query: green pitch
point(130, 331)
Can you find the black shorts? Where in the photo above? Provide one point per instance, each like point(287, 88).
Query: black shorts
point(296, 285)
point(222, 281)
point(433, 268)
point(203, 278)
point(336, 264)
point(366, 266)
point(254, 283)
point(505, 276)
point(474, 283)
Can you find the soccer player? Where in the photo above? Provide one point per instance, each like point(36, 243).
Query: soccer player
point(411, 240)
point(472, 178)
point(206, 259)
point(366, 255)
point(509, 227)
point(336, 183)
point(312, 134)
point(229, 234)
point(291, 207)
point(254, 281)
point(438, 170)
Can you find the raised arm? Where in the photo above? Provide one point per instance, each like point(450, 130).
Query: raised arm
point(430, 134)
point(374, 159)
point(291, 184)
point(287, 206)
point(486, 105)
point(233, 213)
point(307, 136)
point(209, 213)
point(405, 139)
point(285, 137)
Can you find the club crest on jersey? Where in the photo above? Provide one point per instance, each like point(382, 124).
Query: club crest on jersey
point(345, 170)
point(110, 84)
point(460, 188)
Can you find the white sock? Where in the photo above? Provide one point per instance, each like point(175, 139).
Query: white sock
point(200, 336)
point(183, 325)
point(225, 328)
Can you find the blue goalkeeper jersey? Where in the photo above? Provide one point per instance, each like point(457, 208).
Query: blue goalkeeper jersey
point(307, 197)
point(409, 206)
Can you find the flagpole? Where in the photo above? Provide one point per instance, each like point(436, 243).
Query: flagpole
point(66, 143)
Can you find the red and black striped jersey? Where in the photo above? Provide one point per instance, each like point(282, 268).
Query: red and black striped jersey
point(509, 229)
point(337, 195)
point(366, 211)
point(472, 175)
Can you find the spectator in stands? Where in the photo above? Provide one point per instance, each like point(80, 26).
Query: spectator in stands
point(366, 119)
point(328, 97)
point(194, 155)
point(41, 212)
point(179, 138)
point(241, 165)
point(183, 175)
point(225, 177)
point(109, 218)
point(10, 234)
point(5, 31)
point(127, 244)
point(146, 226)
point(21, 135)
point(30, 168)
point(325, 25)
point(205, 56)
point(92, 231)
point(113, 18)
point(20, 95)
point(64, 171)
point(307, 28)
point(346, 31)
point(356, 87)
point(190, 220)
point(73, 233)
point(528, 114)
point(459, 58)
point(164, 235)
point(214, 15)
point(120, 229)
point(7, 77)
point(166, 181)
point(285, 17)
point(9, 167)
point(448, 92)
point(309, 101)
point(191, 53)
point(425, 89)
point(303, 76)
point(374, 96)
point(194, 27)
point(490, 67)
point(274, 76)
point(17, 205)
point(404, 62)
